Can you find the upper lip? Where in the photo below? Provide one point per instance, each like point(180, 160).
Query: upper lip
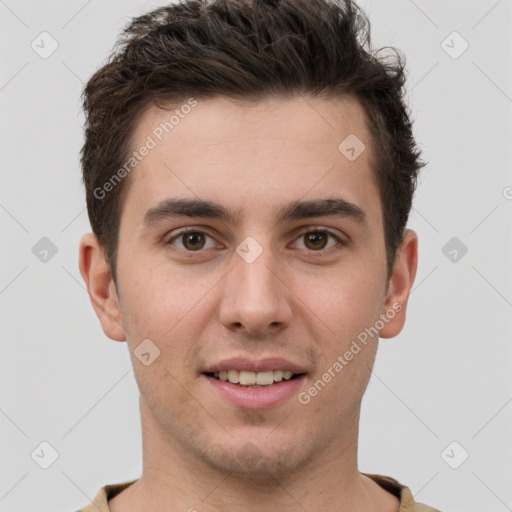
point(255, 365)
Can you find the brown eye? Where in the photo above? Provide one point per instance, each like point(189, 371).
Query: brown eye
point(193, 241)
point(318, 240)
point(315, 240)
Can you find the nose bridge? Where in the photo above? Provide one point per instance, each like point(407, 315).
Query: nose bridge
point(256, 279)
point(254, 296)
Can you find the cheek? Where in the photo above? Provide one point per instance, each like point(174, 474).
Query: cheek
point(345, 302)
point(156, 301)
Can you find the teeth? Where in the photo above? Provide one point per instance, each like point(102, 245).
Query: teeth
point(245, 378)
point(278, 375)
point(264, 378)
point(234, 376)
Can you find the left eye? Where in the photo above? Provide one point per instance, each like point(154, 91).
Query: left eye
point(317, 240)
point(193, 240)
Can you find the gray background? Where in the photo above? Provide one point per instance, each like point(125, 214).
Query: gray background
point(445, 378)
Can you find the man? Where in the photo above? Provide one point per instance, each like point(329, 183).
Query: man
point(249, 169)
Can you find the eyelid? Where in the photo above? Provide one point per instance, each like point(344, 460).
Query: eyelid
point(307, 229)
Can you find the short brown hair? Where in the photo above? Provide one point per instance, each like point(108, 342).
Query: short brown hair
point(246, 49)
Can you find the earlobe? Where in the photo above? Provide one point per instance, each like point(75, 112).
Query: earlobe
point(400, 284)
point(95, 272)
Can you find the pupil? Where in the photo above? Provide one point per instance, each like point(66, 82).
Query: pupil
point(192, 239)
point(314, 238)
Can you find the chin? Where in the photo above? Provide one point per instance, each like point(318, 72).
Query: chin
point(260, 460)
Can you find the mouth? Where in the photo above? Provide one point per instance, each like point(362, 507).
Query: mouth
point(246, 389)
point(250, 383)
point(253, 380)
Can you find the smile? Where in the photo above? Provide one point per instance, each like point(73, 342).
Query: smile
point(255, 396)
point(253, 380)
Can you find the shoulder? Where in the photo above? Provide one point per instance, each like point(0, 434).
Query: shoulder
point(107, 492)
point(402, 492)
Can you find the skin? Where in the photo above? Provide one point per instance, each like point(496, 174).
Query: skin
point(294, 301)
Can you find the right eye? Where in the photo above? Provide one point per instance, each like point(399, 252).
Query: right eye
point(192, 240)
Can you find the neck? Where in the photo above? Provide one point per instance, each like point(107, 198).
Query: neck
point(174, 480)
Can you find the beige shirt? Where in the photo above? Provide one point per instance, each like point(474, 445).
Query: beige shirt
point(407, 503)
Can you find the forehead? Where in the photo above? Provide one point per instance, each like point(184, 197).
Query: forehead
point(310, 120)
point(271, 151)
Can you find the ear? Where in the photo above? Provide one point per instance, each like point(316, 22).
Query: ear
point(400, 284)
point(96, 274)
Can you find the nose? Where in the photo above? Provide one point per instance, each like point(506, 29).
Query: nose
point(255, 299)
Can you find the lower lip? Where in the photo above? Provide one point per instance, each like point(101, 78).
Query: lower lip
point(258, 398)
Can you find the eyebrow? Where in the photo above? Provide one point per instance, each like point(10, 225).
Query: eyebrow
point(179, 207)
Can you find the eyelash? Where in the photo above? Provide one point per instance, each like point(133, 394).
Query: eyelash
point(301, 234)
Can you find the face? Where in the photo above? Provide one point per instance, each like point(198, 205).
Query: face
point(250, 243)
